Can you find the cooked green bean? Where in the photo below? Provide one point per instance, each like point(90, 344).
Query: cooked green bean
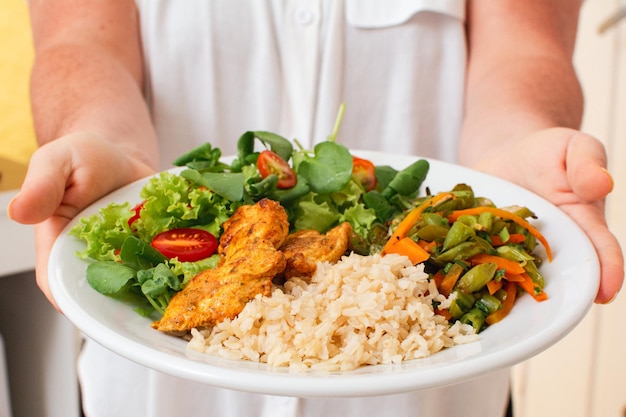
point(477, 277)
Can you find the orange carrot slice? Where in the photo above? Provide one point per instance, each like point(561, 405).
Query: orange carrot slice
point(511, 267)
point(507, 304)
point(493, 286)
point(533, 289)
point(410, 248)
point(513, 238)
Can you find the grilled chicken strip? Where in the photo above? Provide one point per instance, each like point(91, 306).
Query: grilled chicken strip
point(304, 249)
point(249, 261)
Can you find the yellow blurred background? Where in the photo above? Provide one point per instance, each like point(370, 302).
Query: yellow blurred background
point(17, 138)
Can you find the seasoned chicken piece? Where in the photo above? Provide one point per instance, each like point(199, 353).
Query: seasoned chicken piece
point(266, 220)
point(304, 249)
point(217, 294)
point(250, 259)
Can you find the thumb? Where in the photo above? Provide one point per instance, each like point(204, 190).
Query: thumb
point(43, 187)
point(586, 168)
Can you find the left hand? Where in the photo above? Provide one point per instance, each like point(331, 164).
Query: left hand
point(568, 168)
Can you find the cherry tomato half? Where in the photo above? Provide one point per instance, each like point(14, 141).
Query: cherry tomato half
point(186, 244)
point(364, 172)
point(270, 162)
point(136, 210)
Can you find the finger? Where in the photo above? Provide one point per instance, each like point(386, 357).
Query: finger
point(607, 248)
point(586, 168)
point(47, 175)
point(45, 236)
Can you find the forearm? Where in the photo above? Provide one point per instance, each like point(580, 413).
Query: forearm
point(518, 83)
point(90, 83)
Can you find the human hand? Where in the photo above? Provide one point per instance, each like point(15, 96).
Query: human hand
point(568, 168)
point(64, 177)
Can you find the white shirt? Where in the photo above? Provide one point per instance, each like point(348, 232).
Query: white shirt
point(218, 68)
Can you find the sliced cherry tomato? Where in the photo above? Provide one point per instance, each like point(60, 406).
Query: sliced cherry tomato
point(186, 244)
point(364, 172)
point(270, 162)
point(136, 210)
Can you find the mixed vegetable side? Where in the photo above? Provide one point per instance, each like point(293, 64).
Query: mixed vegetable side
point(145, 253)
point(478, 252)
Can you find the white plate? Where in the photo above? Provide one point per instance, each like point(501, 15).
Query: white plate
point(572, 280)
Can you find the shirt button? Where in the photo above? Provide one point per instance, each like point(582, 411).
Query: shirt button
point(304, 16)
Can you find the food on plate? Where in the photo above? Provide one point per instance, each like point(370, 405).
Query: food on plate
point(479, 254)
point(231, 252)
point(304, 249)
point(250, 259)
point(254, 249)
point(362, 310)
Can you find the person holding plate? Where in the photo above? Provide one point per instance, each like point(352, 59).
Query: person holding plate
point(119, 89)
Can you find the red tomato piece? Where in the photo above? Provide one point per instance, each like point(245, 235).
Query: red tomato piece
point(270, 162)
point(186, 244)
point(137, 211)
point(364, 172)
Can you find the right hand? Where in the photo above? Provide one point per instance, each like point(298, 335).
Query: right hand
point(64, 177)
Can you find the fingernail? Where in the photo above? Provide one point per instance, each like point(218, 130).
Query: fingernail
point(9, 207)
point(608, 174)
point(610, 300)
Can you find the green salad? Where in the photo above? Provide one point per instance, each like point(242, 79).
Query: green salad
point(148, 251)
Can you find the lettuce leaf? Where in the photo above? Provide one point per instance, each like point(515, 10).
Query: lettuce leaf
point(104, 233)
point(172, 201)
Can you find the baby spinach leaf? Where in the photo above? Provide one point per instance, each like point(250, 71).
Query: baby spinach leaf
point(158, 281)
point(409, 180)
point(108, 277)
point(204, 157)
point(227, 184)
point(138, 254)
point(276, 143)
point(329, 170)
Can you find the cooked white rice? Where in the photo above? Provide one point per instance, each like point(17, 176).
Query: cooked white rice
point(363, 310)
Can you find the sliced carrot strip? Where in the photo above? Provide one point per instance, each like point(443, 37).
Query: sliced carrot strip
point(438, 277)
point(533, 289)
point(513, 238)
point(428, 246)
point(493, 286)
point(445, 313)
point(511, 267)
point(450, 279)
point(505, 215)
point(410, 248)
point(514, 277)
point(507, 304)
